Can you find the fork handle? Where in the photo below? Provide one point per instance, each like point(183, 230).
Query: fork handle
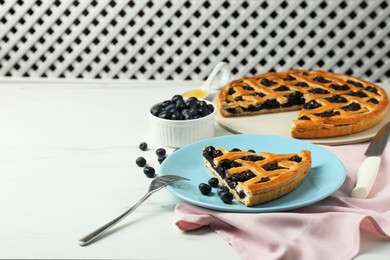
point(94, 234)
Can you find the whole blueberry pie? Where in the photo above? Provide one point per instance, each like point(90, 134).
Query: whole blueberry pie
point(254, 178)
point(329, 104)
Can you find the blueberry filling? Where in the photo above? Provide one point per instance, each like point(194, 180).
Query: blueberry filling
point(282, 88)
point(336, 99)
point(355, 83)
point(312, 104)
point(304, 118)
point(302, 84)
point(272, 167)
point(289, 78)
point(295, 158)
point(271, 104)
point(352, 107)
point(242, 177)
point(318, 91)
point(248, 88)
point(359, 93)
point(264, 179)
point(295, 98)
point(258, 94)
point(225, 165)
point(371, 89)
point(339, 87)
point(253, 158)
point(241, 194)
point(252, 108)
point(231, 91)
point(268, 83)
point(327, 113)
point(239, 98)
point(321, 79)
point(232, 110)
point(373, 100)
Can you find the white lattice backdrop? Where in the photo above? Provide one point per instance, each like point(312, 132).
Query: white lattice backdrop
point(184, 39)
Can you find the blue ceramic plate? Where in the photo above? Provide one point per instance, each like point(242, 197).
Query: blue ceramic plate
point(325, 177)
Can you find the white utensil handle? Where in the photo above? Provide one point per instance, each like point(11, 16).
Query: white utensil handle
point(219, 76)
point(366, 176)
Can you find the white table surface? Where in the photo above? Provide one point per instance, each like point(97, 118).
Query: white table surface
point(67, 166)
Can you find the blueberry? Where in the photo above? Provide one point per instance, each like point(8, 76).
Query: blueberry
point(204, 188)
point(179, 109)
point(161, 152)
point(141, 162)
point(191, 102)
point(185, 113)
point(165, 115)
point(156, 110)
point(161, 159)
point(149, 171)
point(177, 98)
point(143, 146)
point(213, 182)
point(193, 111)
point(204, 111)
point(166, 103)
point(222, 189)
point(177, 116)
point(226, 197)
point(180, 105)
point(171, 108)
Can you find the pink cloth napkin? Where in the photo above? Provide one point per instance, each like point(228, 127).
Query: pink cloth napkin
point(329, 229)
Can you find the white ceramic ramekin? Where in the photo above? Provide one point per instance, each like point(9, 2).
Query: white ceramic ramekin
point(177, 133)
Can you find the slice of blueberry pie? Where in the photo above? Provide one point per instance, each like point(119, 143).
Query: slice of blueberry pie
point(257, 178)
point(330, 104)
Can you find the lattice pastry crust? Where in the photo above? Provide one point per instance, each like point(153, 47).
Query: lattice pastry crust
point(330, 104)
point(257, 178)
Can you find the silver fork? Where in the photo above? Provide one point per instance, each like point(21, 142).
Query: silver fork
point(156, 185)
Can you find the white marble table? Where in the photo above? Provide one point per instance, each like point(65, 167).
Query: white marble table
point(67, 165)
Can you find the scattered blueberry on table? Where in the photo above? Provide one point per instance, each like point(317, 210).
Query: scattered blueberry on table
point(149, 171)
point(161, 152)
point(143, 146)
point(161, 159)
point(141, 161)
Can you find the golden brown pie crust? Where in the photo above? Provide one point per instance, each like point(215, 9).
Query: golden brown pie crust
point(289, 175)
point(363, 103)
